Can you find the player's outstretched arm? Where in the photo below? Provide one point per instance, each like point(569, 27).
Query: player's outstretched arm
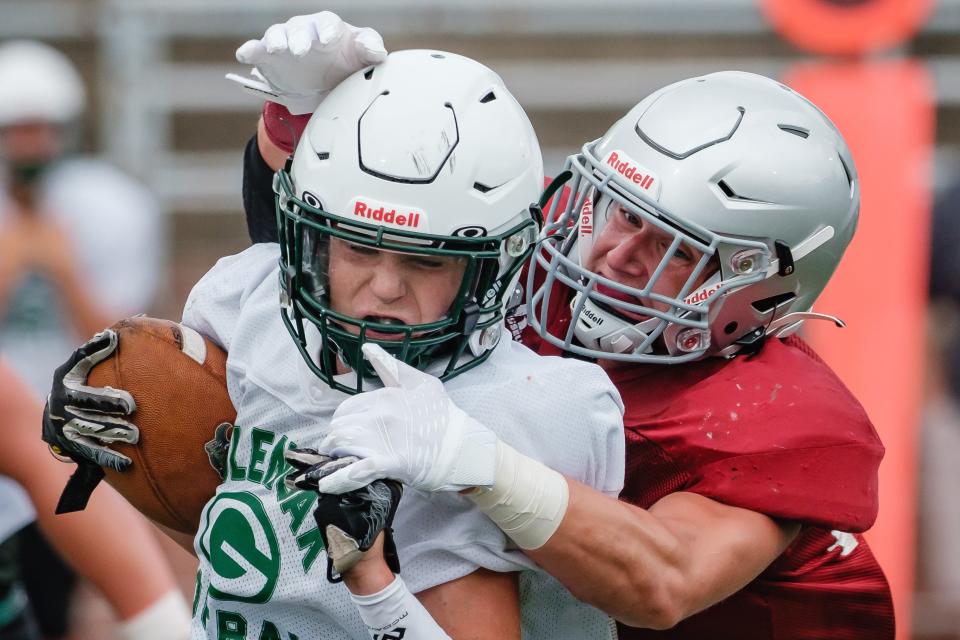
point(110, 544)
point(653, 568)
point(645, 568)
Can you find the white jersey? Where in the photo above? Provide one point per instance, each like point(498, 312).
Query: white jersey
point(262, 563)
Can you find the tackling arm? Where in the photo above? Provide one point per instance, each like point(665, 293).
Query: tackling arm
point(684, 554)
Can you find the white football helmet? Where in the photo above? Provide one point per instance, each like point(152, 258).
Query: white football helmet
point(425, 153)
point(733, 165)
point(38, 83)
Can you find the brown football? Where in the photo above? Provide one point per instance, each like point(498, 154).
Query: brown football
point(178, 380)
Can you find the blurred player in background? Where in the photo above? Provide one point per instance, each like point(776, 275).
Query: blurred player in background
point(110, 544)
point(62, 272)
point(408, 209)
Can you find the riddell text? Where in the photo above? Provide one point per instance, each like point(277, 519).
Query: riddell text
point(364, 210)
point(629, 171)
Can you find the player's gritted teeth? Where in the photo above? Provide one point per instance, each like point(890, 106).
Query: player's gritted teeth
point(387, 320)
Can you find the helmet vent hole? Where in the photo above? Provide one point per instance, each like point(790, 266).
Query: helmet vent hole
point(733, 195)
point(846, 170)
point(482, 188)
point(730, 328)
point(795, 130)
point(490, 97)
point(437, 55)
point(769, 304)
point(323, 155)
point(368, 74)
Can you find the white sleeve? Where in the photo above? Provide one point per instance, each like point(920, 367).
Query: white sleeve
point(442, 537)
point(605, 437)
point(213, 306)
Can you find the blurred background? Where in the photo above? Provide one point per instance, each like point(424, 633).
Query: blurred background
point(888, 72)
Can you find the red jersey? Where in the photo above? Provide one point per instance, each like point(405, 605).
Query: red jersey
point(776, 433)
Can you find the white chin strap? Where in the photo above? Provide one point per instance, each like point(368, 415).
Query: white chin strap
point(602, 331)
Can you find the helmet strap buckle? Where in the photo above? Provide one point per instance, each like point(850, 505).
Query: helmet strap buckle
point(784, 258)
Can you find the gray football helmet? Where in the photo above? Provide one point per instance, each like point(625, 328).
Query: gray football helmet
point(736, 167)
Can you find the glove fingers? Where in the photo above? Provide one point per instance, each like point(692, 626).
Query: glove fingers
point(307, 478)
point(98, 348)
point(300, 37)
point(251, 52)
point(101, 455)
point(368, 46)
point(352, 477)
point(101, 428)
point(343, 443)
point(275, 38)
point(330, 29)
point(106, 400)
point(302, 459)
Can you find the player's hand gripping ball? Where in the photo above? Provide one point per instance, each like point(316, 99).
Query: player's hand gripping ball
point(147, 400)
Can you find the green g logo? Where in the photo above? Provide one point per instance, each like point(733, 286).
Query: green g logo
point(239, 543)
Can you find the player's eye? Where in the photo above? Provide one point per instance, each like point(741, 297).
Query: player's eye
point(427, 262)
point(631, 218)
point(360, 249)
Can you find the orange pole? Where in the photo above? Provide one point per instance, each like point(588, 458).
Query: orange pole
point(885, 111)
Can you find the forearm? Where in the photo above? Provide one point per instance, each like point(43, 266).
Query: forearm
point(618, 558)
point(272, 153)
point(653, 568)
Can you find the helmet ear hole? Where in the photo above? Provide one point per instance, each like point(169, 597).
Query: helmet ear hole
point(730, 328)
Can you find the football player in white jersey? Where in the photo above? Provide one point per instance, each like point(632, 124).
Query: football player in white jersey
point(405, 215)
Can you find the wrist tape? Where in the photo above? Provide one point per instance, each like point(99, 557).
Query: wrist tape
point(527, 499)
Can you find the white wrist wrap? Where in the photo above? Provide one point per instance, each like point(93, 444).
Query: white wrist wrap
point(166, 619)
point(527, 499)
point(394, 612)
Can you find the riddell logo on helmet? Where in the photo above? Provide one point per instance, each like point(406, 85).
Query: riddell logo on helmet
point(703, 294)
point(625, 166)
point(388, 214)
point(586, 217)
point(597, 320)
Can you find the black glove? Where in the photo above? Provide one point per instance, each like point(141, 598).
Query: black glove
point(219, 447)
point(349, 523)
point(78, 421)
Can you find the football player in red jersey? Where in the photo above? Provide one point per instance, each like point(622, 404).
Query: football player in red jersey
point(695, 237)
point(693, 240)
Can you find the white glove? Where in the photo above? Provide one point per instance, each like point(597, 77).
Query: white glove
point(299, 61)
point(409, 431)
